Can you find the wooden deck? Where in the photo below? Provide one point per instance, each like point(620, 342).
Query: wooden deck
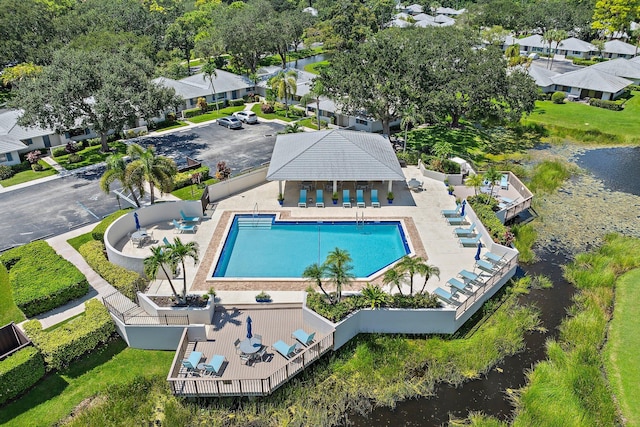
point(260, 378)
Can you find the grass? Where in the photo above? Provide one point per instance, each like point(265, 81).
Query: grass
point(548, 176)
point(166, 125)
point(316, 67)
point(569, 388)
point(622, 359)
point(278, 114)
point(212, 115)
point(29, 175)
point(525, 238)
point(192, 192)
point(53, 398)
point(80, 240)
point(310, 123)
point(91, 155)
point(590, 124)
point(79, 316)
point(9, 312)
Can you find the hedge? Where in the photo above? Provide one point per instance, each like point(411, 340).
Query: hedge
point(192, 112)
point(19, 372)
point(126, 281)
point(608, 105)
point(98, 230)
point(488, 218)
point(40, 279)
point(183, 179)
point(558, 97)
point(236, 102)
point(68, 342)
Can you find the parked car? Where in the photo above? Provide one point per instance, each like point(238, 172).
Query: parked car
point(230, 122)
point(246, 116)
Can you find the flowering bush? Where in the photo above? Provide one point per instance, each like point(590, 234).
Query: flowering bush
point(33, 156)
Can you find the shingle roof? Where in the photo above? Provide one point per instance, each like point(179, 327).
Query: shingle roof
point(577, 45)
point(423, 17)
point(9, 127)
point(620, 67)
point(541, 75)
point(592, 79)
point(535, 40)
point(195, 86)
point(341, 155)
point(9, 144)
point(415, 8)
point(619, 47)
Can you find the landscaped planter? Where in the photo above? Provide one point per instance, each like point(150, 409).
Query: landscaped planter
point(197, 315)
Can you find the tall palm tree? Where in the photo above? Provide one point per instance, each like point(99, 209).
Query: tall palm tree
point(393, 277)
point(427, 271)
point(159, 258)
point(317, 272)
point(285, 85)
point(116, 168)
point(209, 72)
point(475, 181)
point(338, 265)
point(410, 266)
point(315, 92)
point(178, 252)
point(493, 176)
point(558, 36)
point(146, 166)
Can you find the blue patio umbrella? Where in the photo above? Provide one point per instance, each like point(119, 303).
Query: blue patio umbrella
point(135, 217)
point(477, 257)
point(249, 334)
point(464, 203)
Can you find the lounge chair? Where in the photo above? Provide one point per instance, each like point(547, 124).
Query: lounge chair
point(346, 200)
point(189, 218)
point(319, 198)
point(285, 349)
point(455, 220)
point(166, 241)
point(445, 296)
point(303, 337)
point(504, 182)
point(360, 198)
point(451, 212)
point(191, 363)
point(374, 199)
point(302, 202)
point(183, 227)
point(470, 241)
point(485, 266)
point(469, 276)
point(455, 283)
point(214, 365)
point(462, 232)
point(494, 259)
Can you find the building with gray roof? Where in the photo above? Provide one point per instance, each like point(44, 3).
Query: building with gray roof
point(619, 49)
point(620, 67)
point(590, 82)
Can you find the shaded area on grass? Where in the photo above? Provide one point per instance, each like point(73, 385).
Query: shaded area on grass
point(278, 114)
point(9, 312)
point(91, 155)
point(193, 191)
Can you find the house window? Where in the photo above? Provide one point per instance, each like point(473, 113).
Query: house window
point(28, 141)
point(3, 158)
point(87, 131)
point(47, 141)
point(361, 122)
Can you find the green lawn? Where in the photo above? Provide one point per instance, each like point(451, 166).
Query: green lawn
point(316, 67)
point(164, 125)
point(8, 310)
point(279, 114)
point(192, 192)
point(212, 115)
point(623, 125)
point(91, 155)
point(622, 359)
point(53, 398)
point(80, 240)
point(29, 175)
point(310, 123)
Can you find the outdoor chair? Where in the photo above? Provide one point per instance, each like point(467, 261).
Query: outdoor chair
point(374, 199)
point(285, 349)
point(165, 241)
point(462, 232)
point(504, 182)
point(469, 276)
point(346, 200)
point(302, 202)
point(445, 296)
point(189, 218)
point(485, 266)
point(455, 283)
point(214, 366)
point(360, 198)
point(192, 361)
point(319, 198)
point(470, 241)
point(258, 337)
point(303, 337)
point(494, 259)
point(236, 344)
point(456, 220)
point(183, 227)
point(451, 212)
point(261, 353)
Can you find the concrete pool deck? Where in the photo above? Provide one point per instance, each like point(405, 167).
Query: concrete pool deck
point(430, 234)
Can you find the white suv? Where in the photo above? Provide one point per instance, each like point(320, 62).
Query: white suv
point(246, 116)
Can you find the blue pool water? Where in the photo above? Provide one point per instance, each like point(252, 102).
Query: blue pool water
point(264, 248)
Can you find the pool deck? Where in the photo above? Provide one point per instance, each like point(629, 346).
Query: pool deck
point(430, 235)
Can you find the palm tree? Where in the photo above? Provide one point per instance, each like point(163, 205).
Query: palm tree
point(393, 277)
point(209, 72)
point(315, 92)
point(116, 168)
point(493, 176)
point(159, 258)
point(293, 128)
point(427, 271)
point(285, 85)
point(158, 171)
point(474, 181)
point(410, 266)
point(178, 252)
point(338, 265)
point(317, 272)
point(558, 36)
point(410, 117)
point(549, 37)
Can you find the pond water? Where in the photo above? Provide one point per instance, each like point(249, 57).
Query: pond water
point(300, 63)
point(618, 168)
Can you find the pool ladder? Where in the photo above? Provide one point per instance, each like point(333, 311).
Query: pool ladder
point(359, 220)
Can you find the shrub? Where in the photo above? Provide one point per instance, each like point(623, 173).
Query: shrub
point(40, 279)
point(236, 102)
point(72, 147)
point(183, 179)
point(33, 156)
point(192, 112)
point(171, 117)
point(66, 343)
point(411, 157)
point(98, 230)
point(6, 172)
point(20, 371)
point(267, 108)
point(75, 158)
point(558, 97)
point(37, 167)
point(608, 105)
point(499, 233)
point(126, 281)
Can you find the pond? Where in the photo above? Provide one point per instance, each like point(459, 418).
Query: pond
point(301, 63)
point(617, 168)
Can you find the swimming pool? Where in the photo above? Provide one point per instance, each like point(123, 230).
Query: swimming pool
point(259, 246)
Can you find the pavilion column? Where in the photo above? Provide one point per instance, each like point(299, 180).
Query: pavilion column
point(279, 187)
point(335, 186)
point(390, 186)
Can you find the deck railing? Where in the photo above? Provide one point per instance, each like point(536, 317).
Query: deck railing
point(486, 286)
point(209, 387)
point(130, 313)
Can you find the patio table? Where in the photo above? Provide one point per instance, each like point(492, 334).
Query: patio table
point(250, 345)
point(139, 237)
